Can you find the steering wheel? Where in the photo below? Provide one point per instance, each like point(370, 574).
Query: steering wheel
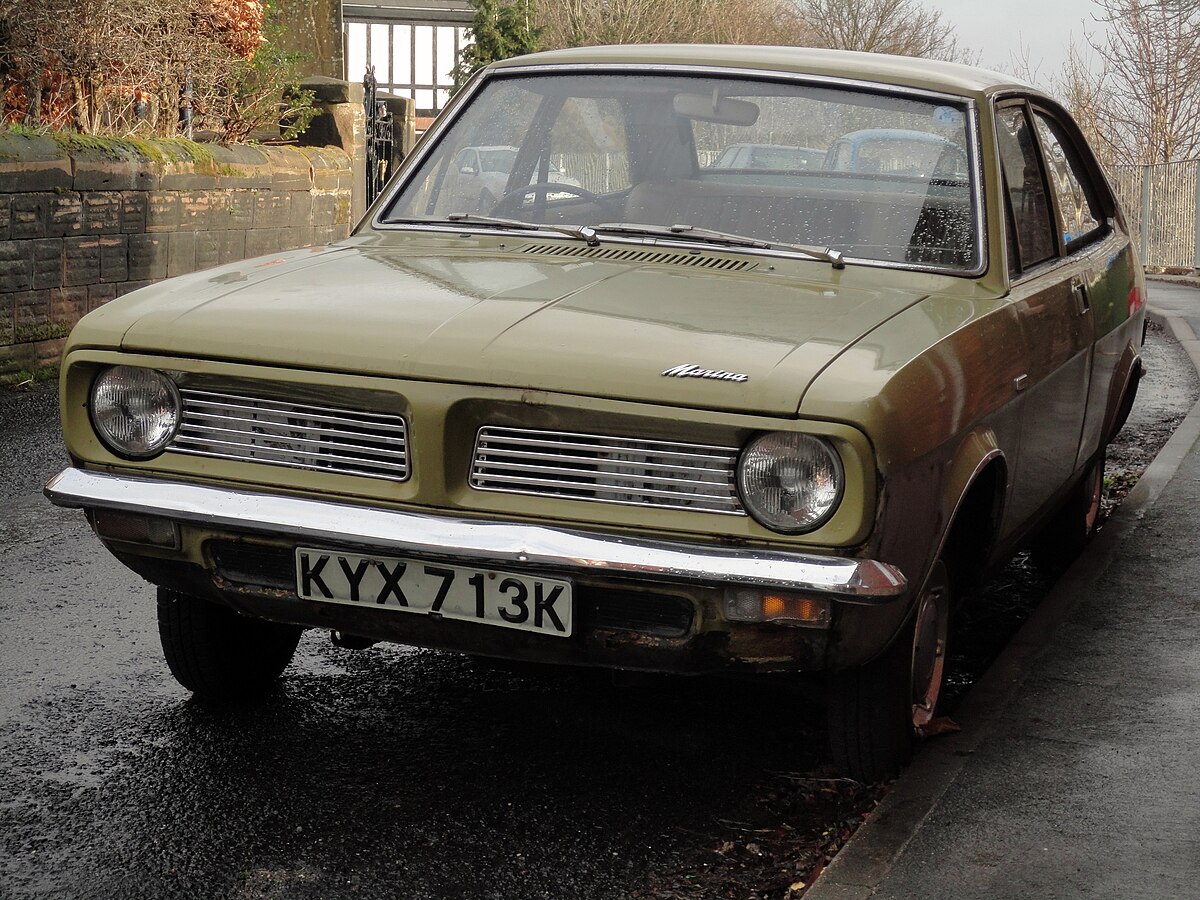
point(545, 188)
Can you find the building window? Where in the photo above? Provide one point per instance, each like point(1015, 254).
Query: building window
point(413, 52)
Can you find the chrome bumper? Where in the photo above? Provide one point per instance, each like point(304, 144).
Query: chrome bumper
point(485, 543)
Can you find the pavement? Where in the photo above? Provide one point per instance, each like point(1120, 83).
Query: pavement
point(1077, 770)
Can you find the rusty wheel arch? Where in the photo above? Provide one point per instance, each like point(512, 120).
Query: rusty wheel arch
point(971, 536)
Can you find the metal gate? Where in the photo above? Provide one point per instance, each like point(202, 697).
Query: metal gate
point(379, 138)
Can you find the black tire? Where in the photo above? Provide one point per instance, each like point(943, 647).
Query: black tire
point(218, 654)
point(1072, 526)
point(875, 711)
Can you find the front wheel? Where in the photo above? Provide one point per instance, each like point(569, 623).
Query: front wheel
point(218, 654)
point(876, 710)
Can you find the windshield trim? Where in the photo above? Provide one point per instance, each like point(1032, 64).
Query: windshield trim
point(751, 73)
point(374, 219)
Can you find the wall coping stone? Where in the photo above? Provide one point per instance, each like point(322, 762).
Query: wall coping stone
point(333, 90)
point(31, 163)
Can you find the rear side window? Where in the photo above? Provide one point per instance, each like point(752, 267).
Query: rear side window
point(1028, 203)
point(1068, 179)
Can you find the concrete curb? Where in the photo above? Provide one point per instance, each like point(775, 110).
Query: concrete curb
point(869, 855)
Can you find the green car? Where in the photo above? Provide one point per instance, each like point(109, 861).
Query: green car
point(663, 416)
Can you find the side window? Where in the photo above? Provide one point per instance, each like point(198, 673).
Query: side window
point(1026, 188)
point(1067, 179)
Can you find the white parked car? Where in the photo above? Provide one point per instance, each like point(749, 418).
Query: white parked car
point(480, 177)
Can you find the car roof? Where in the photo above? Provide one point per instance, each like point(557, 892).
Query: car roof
point(907, 71)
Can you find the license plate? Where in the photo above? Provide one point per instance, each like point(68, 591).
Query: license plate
point(452, 592)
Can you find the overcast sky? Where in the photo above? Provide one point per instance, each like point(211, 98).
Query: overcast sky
point(998, 28)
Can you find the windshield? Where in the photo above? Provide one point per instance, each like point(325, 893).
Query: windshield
point(878, 177)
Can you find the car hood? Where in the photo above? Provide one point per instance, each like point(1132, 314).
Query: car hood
point(597, 327)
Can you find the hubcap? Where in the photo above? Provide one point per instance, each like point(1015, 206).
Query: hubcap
point(929, 645)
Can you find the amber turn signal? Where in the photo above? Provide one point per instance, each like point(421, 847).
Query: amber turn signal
point(750, 605)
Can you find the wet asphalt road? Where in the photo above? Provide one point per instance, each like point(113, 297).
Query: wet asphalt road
point(387, 773)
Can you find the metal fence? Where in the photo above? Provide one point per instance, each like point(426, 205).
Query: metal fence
point(1160, 202)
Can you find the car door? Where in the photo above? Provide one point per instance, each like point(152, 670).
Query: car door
point(1099, 256)
point(1049, 292)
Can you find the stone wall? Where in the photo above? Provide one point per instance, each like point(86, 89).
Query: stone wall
point(86, 220)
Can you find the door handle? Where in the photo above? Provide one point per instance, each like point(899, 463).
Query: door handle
point(1080, 292)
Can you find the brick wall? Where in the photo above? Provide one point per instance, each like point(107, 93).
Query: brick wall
point(79, 227)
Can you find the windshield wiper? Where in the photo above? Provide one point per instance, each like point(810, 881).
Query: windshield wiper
point(583, 233)
point(709, 236)
point(589, 234)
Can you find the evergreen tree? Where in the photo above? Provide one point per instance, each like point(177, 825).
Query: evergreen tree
point(500, 30)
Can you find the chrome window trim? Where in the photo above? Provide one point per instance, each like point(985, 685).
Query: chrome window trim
point(373, 218)
point(1109, 229)
point(1070, 260)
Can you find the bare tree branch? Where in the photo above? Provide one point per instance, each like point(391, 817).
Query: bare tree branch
point(119, 66)
point(1141, 103)
point(574, 23)
point(902, 27)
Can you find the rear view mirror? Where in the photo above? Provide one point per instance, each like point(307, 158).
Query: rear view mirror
point(714, 108)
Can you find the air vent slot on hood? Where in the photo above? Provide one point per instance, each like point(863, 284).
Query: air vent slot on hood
point(641, 257)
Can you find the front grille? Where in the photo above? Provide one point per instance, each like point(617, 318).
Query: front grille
point(296, 435)
point(606, 469)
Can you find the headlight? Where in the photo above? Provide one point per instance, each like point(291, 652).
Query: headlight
point(790, 482)
point(134, 410)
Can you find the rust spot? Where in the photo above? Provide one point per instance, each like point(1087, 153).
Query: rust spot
point(533, 398)
point(633, 639)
